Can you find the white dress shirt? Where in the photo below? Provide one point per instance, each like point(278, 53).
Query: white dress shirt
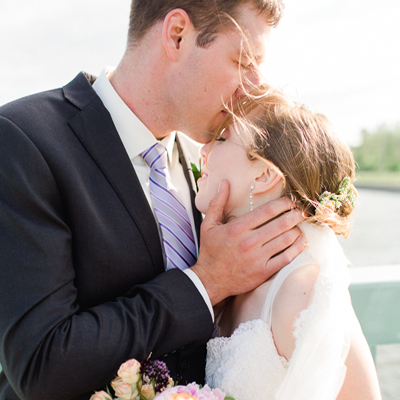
point(136, 138)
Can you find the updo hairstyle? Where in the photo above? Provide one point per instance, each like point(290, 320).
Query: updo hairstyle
point(304, 147)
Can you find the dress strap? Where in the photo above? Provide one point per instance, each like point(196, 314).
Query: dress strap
point(303, 259)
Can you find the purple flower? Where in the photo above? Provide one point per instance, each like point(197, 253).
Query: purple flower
point(157, 372)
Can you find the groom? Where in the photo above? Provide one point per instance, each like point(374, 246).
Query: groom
point(83, 280)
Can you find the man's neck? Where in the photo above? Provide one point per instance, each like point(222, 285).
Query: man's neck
point(139, 84)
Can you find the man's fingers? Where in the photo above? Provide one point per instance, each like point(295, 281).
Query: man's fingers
point(282, 242)
point(287, 254)
point(277, 227)
point(216, 207)
point(274, 229)
point(266, 212)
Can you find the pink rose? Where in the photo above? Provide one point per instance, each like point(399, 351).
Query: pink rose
point(129, 371)
point(190, 392)
point(102, 395)
point(206, 393)
point(164, 395)
point(124, 390)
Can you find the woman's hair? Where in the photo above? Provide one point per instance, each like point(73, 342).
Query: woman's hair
point(307, 151)
point(208, 16)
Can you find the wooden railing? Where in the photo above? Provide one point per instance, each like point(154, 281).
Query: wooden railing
point(375, 294)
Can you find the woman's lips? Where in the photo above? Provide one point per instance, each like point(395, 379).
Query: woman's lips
point(203, 176)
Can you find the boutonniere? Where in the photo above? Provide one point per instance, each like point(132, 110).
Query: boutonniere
point(196, 174)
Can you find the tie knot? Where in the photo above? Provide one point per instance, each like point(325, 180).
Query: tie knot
point(155, 156)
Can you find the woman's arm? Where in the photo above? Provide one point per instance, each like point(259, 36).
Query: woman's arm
point(292, 298)
point(361, 381)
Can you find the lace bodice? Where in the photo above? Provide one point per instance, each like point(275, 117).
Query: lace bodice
point(232, 361)
point(247, 366)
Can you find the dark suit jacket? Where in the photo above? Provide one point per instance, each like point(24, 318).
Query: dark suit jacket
point(82, 280)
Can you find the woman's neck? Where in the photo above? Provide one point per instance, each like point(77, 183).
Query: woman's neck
point(258, 200)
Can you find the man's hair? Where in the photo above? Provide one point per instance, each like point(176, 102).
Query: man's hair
point(207, 16)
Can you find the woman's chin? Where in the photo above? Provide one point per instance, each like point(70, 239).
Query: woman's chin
point(201, 204)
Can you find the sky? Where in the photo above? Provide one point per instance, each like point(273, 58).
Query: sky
point(342, 58)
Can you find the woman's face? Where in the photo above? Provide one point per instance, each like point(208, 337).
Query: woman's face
point(227, 158)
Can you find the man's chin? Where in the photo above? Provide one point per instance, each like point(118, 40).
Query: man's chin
point(203, 138)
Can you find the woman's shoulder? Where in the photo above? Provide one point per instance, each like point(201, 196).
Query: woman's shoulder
point(292, 297)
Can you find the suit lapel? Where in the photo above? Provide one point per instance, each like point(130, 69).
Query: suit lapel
point(196, 213)
point(94, 128)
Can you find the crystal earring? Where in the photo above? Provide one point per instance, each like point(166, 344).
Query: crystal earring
point(251, 197)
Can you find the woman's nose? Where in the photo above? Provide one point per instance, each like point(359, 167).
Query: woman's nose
point(203, 153)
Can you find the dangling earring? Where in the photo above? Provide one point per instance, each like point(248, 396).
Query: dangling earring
point(251, 197)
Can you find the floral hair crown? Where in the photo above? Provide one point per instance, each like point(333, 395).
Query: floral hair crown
point(334, 201)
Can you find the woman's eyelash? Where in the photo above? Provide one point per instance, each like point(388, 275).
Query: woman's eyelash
point(220, 139)
point(245, 66)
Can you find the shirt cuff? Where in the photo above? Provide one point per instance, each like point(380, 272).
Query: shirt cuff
point(200, 287)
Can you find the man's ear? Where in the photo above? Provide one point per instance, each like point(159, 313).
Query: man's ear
point(176, 25)
point(267, 181)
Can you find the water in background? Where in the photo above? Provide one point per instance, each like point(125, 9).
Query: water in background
point(373, 241)
point(375, 237)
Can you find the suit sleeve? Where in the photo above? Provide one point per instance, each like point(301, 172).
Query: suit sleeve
point(49, 347)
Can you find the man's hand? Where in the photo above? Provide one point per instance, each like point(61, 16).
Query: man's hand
point(240, 255)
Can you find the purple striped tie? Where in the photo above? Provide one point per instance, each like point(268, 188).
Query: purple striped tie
point(177, 234)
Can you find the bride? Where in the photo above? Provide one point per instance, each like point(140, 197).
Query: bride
point(296, 336)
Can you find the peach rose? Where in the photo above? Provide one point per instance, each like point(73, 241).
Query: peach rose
point(147, 391)
point(102, 395)
point(181, 396)
point(124, 390)
point(129, 371)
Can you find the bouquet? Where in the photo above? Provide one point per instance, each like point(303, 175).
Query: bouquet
point(151, 380)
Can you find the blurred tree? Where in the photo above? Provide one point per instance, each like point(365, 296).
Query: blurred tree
point(380, 149)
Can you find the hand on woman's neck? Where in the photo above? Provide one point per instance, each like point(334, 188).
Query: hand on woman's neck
point(258, 200)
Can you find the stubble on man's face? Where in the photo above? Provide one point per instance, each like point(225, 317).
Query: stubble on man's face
point(214, 75)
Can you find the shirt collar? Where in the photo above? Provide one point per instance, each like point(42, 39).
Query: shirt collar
point(135, 136)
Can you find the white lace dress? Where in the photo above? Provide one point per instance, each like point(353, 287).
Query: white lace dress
point(247, 366)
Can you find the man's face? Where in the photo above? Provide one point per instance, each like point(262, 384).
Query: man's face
point(213, 75)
